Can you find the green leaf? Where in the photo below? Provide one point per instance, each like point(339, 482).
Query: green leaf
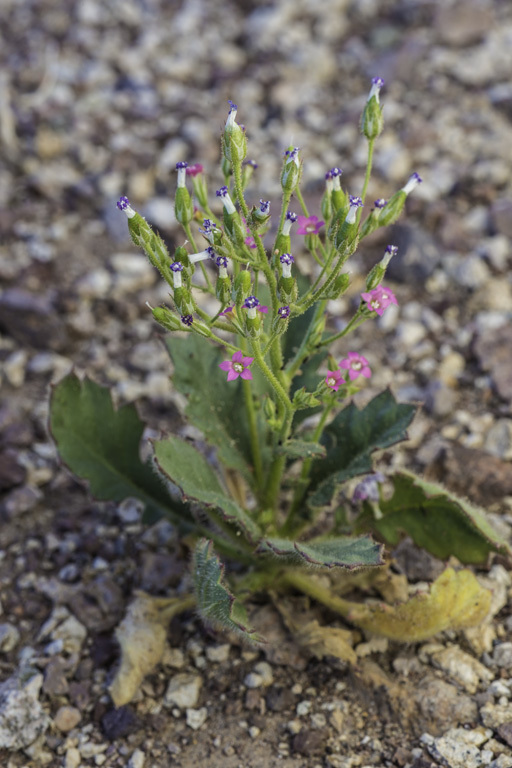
point(352, 437)
point(298, 449)
point(190, 471)
point(215, 406)
point(343, 552)
point(437, 520)
point(101, 445)
point(215, 602)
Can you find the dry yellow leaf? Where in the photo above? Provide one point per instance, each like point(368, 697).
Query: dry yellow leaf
point(456, 600)
point(327, 641)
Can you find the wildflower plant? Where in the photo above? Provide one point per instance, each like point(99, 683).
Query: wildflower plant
point(252, 371)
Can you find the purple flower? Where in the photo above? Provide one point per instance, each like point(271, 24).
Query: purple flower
point(355, 202)
point(291, 216)
point(392, 249)
point(379, 299)
point(193, 170)
point(377, 84)
point(286, 258)
point(252, 163)
point(123, 203)
point(265, 207)
point(356, 365)
point(221, 261)
point(187, 320)
point(237, 366)
point(181, 164)
point(284, 312)
point(368, 488)
point(412, 183)
point(222, 191)
point(232, 105)
point(309, 225)
point(176, 266)
point(225, 311)
point(335, 172)
point(380, 203)
point(334, 380)
point(250, 242)
point(251, 302)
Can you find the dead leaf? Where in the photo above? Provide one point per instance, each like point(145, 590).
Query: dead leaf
point(327, 641)
point(456, 600)
point(142, 637)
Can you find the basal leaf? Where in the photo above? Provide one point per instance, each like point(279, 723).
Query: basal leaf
point(215, 602)
point(456, 600)
point(345, 552)
point(298, 449)
point(101, 445)
point(190, 471)
point(437, 520)
point(352, 437)
point(216, 406)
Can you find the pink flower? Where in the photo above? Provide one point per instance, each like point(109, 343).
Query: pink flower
point(193, 170)
point(334, 380)
point(356, 365)
point(237, 366)
point(226, 311)
point(309, 225)
point(250, 241)
point(379, 299)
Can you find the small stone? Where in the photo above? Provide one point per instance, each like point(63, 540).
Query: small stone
point(294, 727)
point(254, 731)
point(14, 368)
point(309, 743)
point(130, 511)
point(9, 637)
point(252, 680)
point(21, 500)
point(55, 682)
point(174, 657)
point(196, 718)
point(504, 731)
point(218, 653)
point(137, 759)
point(303, 708)
point(462, 667)
point(12, 472)
point(22, 718)
point(183, 690)
point(67, 718)
point(73, 758)
point(498, 440)
point(502, 655)
point(264, 670)
point(118, 723)
point(459, 748)
point(495, 715)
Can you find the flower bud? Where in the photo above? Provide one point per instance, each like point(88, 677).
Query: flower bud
point(372, 221)
point(347, 235)
point(166, 318)
point(235, 140)
point(199, 184)
point(183, 206)
point(290, 174)
point(201, 329)
point(281, 321)
point(393, 209)
point(376, 274)
point(223, 284)
point(247, 171)
point(303, 399)
point(372, 121)
point(242, 286)
point(269, 408)
point(283, 242)
point(338, 196)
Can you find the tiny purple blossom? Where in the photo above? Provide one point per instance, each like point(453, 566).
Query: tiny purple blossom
point(284, 312)
point(355, 202)
point(222, 192)
point(193, 170)
point(250, 242)
point(211, 252)
point(225, 311)
point(187, 320)
point(265, 207)
point(335, 172)
point(286, 258)
point(237, 366)
point(368, 488)
point(251, 302)
point(412, 183)
point(252, 163)
point(356, 365)
point(380, 203)
point(181, 164)
point(232, 105)
point(221, 261)
point(334, 380)
point(377, 84)
point(176, 266)
point(290, 216)
point(123, 203)
point(309, 225)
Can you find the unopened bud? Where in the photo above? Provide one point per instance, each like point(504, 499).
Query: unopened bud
point(303, 399)
point(166, 318)
point(337, 287)
point(290, 174)
point(243, 286)
point(372, 121)
point(235, 140)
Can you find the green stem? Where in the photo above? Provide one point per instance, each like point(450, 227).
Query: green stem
point(190, 236)
point(354, 323)
point(302, 204)
point(278, 465)
point(253, 429)
point(271, 378)
point(369, 162)
point(300, 581)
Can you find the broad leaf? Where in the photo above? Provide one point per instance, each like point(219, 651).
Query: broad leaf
point(299, 449)
point(190, 471)
point(456, 600)
point(352, 437)
point(345, 552)
point(215, 406)
point(215, 602)
point(101, 445)
point(437, 520)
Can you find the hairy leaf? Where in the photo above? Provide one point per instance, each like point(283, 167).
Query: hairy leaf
point(215, 602)
point(101, 445)
point(437, 520)
point(345, 552)
point(215, 406)
point(352, 437)
point(455, 601)
point(298, 449)
point(190, 471)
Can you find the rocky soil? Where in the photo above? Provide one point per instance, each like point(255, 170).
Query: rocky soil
point(101, 99)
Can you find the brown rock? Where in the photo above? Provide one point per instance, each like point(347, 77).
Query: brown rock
point(67, 718)
point(11, 472)
point(31, 319)
point(442, 706)
point(493, 351)
point(309, 742)
point(463, 23)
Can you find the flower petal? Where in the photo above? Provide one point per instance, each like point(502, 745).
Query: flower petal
point(247, 361)
point(237, 356)
point(232, 375)
point(246, 374)
point(226, 365)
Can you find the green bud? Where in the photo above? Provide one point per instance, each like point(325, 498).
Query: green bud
point(183, 301)
point(200, 188)
point(332, 365)
point(372, 121)
point(317, 332)
point(223, 290)
point(269, 408)
point(181, 254)
point(166, 318)
point(377, 273)
point(183, 206)
point(242, 286)
point(303, 399)
point(201, 329)
point(339, 217)
point(339, 200)
point(337, 288)
point(235, 140)
point(288, 290)
point(226, 167)
point(283, 245)
point(247, 172)
point(290, 174)
point(253, 325)
point(391, 212)
point(234, 228)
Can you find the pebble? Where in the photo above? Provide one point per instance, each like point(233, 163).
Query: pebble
point(218, 653)
point(183, 690)
point(22, 718)
point(498, 439)
point(67, 718)
point(196, 718)
point(494, 715)
point(21, 500)
point(9, 637)
point(459, 748)
point(14, 368)
point(73, 758)
point(462, 668)
point(137, 759)
point(303, 708)
point(130, 511)
point(502, 655)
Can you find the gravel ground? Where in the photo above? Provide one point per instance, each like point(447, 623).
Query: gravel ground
point(101, 99)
